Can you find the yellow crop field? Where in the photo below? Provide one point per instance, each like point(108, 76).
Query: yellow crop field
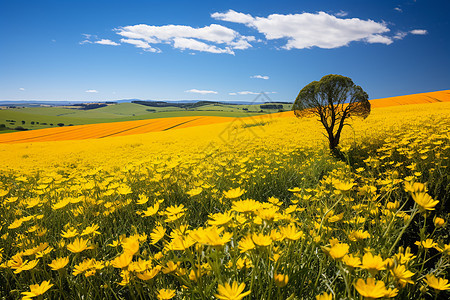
point(251, 208)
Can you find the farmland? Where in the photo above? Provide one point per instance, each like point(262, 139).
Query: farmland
point(257, 202)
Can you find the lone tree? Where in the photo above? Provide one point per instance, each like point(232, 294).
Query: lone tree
point(333, 100)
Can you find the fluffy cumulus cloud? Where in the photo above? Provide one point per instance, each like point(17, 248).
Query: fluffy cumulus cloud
point(21, 89)
point(213, 38)
point(260, 77)
point(91, 91)
point(419, 31)
point(247, 93)
point(203, 92)
point(308, 30)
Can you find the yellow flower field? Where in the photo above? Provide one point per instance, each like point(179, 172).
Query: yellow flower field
point(254, 208)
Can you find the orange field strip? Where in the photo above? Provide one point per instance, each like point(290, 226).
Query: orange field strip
point(94, 131)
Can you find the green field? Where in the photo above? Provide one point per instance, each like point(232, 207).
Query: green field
point(43, 117)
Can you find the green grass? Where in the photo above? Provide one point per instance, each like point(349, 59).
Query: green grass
point(115, 113)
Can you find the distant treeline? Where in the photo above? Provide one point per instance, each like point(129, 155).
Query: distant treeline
point(87, 106)
point(174, 104)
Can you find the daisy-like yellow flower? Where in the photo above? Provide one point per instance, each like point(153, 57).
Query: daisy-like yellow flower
point(246, 244)
point(234, 193)
point(91, 230)
point(195, 191)
point(352, 261)
point(122, 260)
point(436, 283)
point(291, 232)
point(166, 294)
point(438, 222)
point(219, 219)
point(402, 275)
point(142, 199)
point(424, 201)
point(281, 280)
point(130, 245)
point(152, 210)
point(338, 251)
point(27, 265)
point(78, 245)
point(261, 239)
point(59, 263)
point(174, 212)
point(231, 292)
point(373, 263)
point(372, 289)
point(149, 274)
point(37, 290)
point(245, 206)
point(70, 233)
point(157, 234)
point(324, 296)
point(210, 236)
point(427, 244)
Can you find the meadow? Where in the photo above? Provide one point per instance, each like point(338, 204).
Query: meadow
point(253, 208)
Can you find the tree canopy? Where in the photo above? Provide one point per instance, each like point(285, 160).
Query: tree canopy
point(333, 99)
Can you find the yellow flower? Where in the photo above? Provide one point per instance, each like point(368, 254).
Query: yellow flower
point(372, 289)
point(439, 222)
point(27, 265)
point(194, 191)
point(149, 274)
point(402, 275)
point(261, 239)
point(130, 245)
point(151, 210)
point(440, 284)
point(291, 233)
point(428, 243)
point(281, 280)
point(59, 263)
point(157, 234)
point(78, 245)
point(174, 212)
point(233, 292)
point(122, 261)
point(91, 229)
point(166, 294)
point(338, 250)
point(324, 296)
point(246, 244)
point(424, 201)
point(357, 235)
point(220, 219)
point(210, 236)
point(244, 206)
point(234, 193)
point(71, 232)
point(181, 243)
point(352, 261)
point(82, 267)
point(373, 263)
point(142, 199)
point(37, 289)
point(170, 267)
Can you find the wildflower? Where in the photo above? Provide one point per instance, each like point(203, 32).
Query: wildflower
point(424, 201)
point(220, 219)
point(130, 245)
point(373, 263)
point(125, 274)
point(170, 267)
point(195, 191)
point(357, 235)
point(174, 212)
point(91, 230)
point(79, 245)
point(261, 239)
point(244, 206)
point(142, 199)
point(427, 244)
point(402, 275)
point(210, 236)
point(157, 234)
point(281, 280)
point(246, 244)
point(438, 222)
point(324, 296)
point(371, 289)
point(166, 294)
point(27, 265)
point(37, 289)
point(122, 261)
point(291, 233)
point(149, 274)
point(352, 261)
point(151, 210)
point(233, 292)
point(71, 232)
point(234, 193)
point(181, 243)
point(436, 283)
point(59, 263)
point(338, 250)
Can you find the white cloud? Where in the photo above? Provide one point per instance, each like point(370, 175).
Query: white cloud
point(341, 14)
point(400, 35)
point(232, 94)
point(203, 92)
point(213, 38)
point(419, 31)
point(22, 89)
point(248, 93)
point(91, 91)
point(140, 44)
point(260, 77)
point(106, 42)
point(308, 30)
point(398, 9)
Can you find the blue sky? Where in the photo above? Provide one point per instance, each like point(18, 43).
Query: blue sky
point(219, 50)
